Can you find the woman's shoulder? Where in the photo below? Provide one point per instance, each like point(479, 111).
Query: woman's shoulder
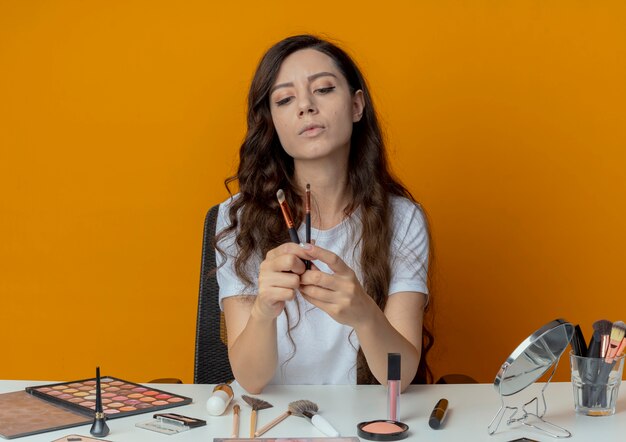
point(223, 214)
point(405, 206)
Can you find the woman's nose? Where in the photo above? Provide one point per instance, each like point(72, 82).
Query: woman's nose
point(306, 107)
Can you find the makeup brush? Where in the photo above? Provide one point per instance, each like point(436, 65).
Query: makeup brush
point(307, 221)
point(603, 327)
point(235, 421)
point(308, 409)
point(99, 428)
point(256, 404)
point(293, 234)
point(617, 334)
point(579, 346)
point(265, 428)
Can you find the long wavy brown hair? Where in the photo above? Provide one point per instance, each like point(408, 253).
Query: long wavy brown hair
point(265, 167)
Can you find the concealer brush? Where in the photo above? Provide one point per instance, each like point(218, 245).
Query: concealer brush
point(256, 404)
point(293, 234)
point(308, 409)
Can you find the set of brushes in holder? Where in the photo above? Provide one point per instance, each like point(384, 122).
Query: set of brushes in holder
point(607, 345)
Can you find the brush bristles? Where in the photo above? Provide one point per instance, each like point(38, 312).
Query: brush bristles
point(281, 196)
point(618, 331)
point(298, 408)
point(603, 326)
point(256, 403)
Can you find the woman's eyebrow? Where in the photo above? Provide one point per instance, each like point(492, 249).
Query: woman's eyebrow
point(310, 78)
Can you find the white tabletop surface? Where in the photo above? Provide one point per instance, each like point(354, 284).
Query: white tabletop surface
point(472, 407)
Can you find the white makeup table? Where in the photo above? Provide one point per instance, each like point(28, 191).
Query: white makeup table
point(472, 408)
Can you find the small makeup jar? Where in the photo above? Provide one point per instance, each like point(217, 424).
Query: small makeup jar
point(383, 430)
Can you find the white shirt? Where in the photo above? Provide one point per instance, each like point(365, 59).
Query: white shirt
point(325, 351)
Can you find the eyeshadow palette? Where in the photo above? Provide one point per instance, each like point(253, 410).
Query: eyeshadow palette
point(119, 398)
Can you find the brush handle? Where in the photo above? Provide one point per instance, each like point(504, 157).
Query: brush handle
point(252, 423)
point(272, 424)
point(293, 234)
point(324, 426)
point(235, 422)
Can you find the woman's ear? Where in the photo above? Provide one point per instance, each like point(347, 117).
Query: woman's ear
point(358, 104)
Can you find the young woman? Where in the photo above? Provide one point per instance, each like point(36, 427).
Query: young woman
point(311, 120)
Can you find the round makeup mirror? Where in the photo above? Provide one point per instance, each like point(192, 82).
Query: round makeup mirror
point(528, 362)
point(533, 357)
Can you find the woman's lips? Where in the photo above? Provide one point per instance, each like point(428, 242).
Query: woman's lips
point(311, 130)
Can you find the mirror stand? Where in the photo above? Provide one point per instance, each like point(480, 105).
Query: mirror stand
point(527, 417)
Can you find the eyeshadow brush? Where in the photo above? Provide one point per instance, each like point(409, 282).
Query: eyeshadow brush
point(99, 428)
point(256, 404)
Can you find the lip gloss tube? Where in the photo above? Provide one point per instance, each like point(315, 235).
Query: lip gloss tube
point(393, 385)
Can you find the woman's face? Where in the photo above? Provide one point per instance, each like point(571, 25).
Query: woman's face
point(312, 107)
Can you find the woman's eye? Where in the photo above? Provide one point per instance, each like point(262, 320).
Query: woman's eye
point(283, 101)
point(325, 90)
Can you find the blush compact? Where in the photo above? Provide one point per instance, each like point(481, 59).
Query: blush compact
point(383, 430)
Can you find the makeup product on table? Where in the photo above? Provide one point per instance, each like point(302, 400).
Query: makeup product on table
point(308, 409)
point(219, 400)
point(99, 428)
point(265, 428)
point(171, 423)
point(235, 421)
point(307, 221)
point(393, 385)
point(293, 234)
point(256, 404)
point(438, 414)
point(391, 428)
point(22, 414)
point(119, 397)
point(79, 438)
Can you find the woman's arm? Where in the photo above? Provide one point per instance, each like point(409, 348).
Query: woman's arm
point(397, 330)
point(251, 320)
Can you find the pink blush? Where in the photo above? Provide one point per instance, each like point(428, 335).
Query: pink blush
point(382, 428)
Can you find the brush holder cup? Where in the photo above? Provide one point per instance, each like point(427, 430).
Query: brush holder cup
point(596, 382)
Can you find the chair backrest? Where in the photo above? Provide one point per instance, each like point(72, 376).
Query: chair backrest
point(211, 360)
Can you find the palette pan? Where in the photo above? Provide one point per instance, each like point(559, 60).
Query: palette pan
point(119, 397)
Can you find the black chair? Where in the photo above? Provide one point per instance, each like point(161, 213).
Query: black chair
point(211, 362)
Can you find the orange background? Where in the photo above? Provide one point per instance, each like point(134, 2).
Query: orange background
point(119, 121)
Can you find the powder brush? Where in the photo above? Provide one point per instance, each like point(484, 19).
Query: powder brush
point(256, 404)
point(308, 409)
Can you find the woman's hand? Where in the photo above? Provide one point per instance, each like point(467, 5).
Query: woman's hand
point(279, 278)
point(341, 295)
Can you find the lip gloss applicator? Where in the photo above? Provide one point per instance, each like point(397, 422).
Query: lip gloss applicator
point(393, 385)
